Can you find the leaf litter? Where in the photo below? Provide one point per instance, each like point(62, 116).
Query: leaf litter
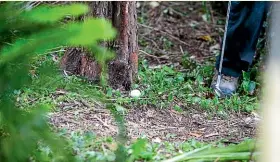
point(167, 44)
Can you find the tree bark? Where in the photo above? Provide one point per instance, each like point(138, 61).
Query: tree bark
point(124, 67)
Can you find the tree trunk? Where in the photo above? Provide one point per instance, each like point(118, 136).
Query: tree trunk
point(124, 67)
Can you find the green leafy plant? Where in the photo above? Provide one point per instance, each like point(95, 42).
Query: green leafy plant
point(243, 151)
point(25, 34)
point(247, 85)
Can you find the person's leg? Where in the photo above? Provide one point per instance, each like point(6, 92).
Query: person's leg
point(244, 26)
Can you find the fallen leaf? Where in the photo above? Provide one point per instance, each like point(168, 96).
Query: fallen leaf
point(138, 5)
point(193, 24)
point(204, 17)
point(215, 48)
point(157, 140)
point(192, 57)
point(202, 129)
point(248, 120)
point(195, 134)
point(154, 4)
point(206, 38)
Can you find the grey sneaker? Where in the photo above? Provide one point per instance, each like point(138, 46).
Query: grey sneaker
point(228, 85)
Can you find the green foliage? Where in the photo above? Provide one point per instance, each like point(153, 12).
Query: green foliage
point(165, 86)
point(247, 85)
point(25, 34)
point(24, 133)
point(47, 14)
point(88, 147)
point(242, 151)
point(207, 11)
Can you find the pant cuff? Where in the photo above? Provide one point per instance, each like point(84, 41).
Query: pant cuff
point(230, 72)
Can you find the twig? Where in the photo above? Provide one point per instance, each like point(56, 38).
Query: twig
point(182, 50)
point(150, 55)
point(179, 40)
point(212, 134)
point(105, 124)
point(100, 110)
point(211, 13)
point(85, 103)
point(165, 128)
point(65, 73)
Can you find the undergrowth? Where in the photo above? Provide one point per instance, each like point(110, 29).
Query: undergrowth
point(87, 146)
point(163, 87)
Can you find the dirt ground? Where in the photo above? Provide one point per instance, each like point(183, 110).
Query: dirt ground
point(156, 124)
point(180, 23)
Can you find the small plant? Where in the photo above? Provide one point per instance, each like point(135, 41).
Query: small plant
point(207, 16)
point(248, 86)
point(25, 34)
point(164, 86)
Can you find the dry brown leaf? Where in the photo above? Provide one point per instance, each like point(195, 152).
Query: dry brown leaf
point(206, 38)
point(195, 134)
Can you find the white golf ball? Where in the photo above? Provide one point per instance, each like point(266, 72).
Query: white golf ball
point(135, 93)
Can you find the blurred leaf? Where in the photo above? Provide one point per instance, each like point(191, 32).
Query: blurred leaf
point(92, 30)
point(138, 147)
point(52, 14)
point(27, 34)
point(252, 87)
point(241, 151)
point(120, 109)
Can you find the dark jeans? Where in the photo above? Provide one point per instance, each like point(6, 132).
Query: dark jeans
point(244, 27)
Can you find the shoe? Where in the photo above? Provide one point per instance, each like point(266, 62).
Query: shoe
point(228, 85)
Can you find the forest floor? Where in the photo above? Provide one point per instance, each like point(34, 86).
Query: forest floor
point(178, 36)
point(178, 45)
